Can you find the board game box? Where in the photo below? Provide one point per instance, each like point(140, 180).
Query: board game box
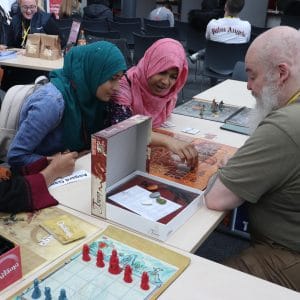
point(115, 265)
point(124, 192)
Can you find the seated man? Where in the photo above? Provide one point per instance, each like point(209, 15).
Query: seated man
point(230, 29)
point(163, 13)
point(265, 171)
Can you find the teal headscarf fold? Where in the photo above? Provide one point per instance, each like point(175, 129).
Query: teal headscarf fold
point(85, 69)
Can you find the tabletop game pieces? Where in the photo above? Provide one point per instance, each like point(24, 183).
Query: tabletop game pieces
point(100, 259)
point(128, 274)
point(145, 281)
point(85, 253)
point(47, 293)
point(36, 294)
point(114, 267)
point(62, 295)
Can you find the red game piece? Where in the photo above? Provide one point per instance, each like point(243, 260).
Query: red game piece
point(114, 267)
point(85, 253)
point(100, 259)
point(145, 281)
point(128, 274)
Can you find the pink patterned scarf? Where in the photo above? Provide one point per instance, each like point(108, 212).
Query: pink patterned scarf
point(162, 55)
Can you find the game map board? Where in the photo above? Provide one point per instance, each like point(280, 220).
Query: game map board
point(38, 247)
point(210, 154)
point(203, 109)
point(84, 280)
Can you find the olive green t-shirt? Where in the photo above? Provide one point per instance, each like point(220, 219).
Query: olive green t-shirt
point(265, 172)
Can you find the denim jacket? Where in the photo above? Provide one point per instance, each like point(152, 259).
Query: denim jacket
point(40, 127)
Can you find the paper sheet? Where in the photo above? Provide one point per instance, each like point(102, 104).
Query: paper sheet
point(75, 176)
point(137, 200)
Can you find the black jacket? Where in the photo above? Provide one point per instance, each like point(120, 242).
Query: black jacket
point(97, 11)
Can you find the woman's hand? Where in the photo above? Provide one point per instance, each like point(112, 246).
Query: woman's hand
point(186, 151)
point(60, 165)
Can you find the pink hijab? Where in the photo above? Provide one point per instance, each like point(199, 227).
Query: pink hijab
point(162, 55)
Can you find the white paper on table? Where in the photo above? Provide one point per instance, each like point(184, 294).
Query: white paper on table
point(133, 198)
point(75, 176)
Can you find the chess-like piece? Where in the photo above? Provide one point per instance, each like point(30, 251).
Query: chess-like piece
point(100, 259)
point(145, 281)
point(114, 267)
point(86, 253)
point(128, 274)
point(36, 294)
point(221, 105)
point(62, 295)
point(214, 106)
point(47, 293)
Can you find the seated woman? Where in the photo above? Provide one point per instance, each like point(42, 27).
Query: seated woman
point(62, 114)
point(29, 19)
point(150, 88)
point(28, 193)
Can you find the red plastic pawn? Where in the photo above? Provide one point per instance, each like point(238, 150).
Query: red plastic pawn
point(86, 253)
point(114, 267)
point(145, 281)
point(100, 259)
point(128, 274)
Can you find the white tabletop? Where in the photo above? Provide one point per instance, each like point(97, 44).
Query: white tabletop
point(203, 279)
point(230, 92)
point(26, 62)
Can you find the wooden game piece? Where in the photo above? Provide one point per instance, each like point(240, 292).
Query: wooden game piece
point(152, 187)
point(154, 195)
point(145, 281)
point(114, 267)
point(85, 253)
point(62, 295)
point(128, 274)
point(47, 293)
point(36, 294)
point(100, 259)
point(160, 200)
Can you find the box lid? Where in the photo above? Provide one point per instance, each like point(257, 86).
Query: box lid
point(126, 147)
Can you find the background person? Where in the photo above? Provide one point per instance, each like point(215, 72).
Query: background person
point(265, 172)
point(98, 9)
point(62, 114)
point(30, 19)
point(150, 88)
point(69, 9)
point(163, 13)
point(230, 29)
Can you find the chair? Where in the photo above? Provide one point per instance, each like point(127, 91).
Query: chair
point(120, 43)
point(127, 20)
point(141, 44)
point(126, 30)
point(170, 32)
point(220, 59)
point(163, 23)
point(293, 21)
point(104, 34)
point(256, 31)
point(239, 71)
point(99, 25)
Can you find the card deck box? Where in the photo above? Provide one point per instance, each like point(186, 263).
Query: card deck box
point(120, 157)
point(10, 263)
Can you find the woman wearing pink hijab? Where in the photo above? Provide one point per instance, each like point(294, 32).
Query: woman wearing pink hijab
point(150, 88)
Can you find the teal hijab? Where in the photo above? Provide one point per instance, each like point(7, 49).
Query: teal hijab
point(85, 69)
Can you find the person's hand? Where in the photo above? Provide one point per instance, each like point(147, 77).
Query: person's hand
point(60, 165)
point(186, 151)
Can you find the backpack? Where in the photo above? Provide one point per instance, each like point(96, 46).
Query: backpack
point(10, 112)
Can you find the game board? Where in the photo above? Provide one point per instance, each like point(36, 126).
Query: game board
point(208, 110)
point(84, 280)
point(38, 247)
point(167, 165)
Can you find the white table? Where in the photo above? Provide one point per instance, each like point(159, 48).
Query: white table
point(26, 62)
point(231, 92)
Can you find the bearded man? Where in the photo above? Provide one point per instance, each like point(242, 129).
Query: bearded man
point(265, 172)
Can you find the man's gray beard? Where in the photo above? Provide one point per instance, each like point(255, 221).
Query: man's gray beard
point(265, 104)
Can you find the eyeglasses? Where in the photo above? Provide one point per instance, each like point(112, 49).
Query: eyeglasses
point(29, 7)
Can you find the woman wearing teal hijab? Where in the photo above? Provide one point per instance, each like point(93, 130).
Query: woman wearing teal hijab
point(61, 115)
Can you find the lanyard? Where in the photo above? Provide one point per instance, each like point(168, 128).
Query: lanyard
point(293, 98)
point(25, 33)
